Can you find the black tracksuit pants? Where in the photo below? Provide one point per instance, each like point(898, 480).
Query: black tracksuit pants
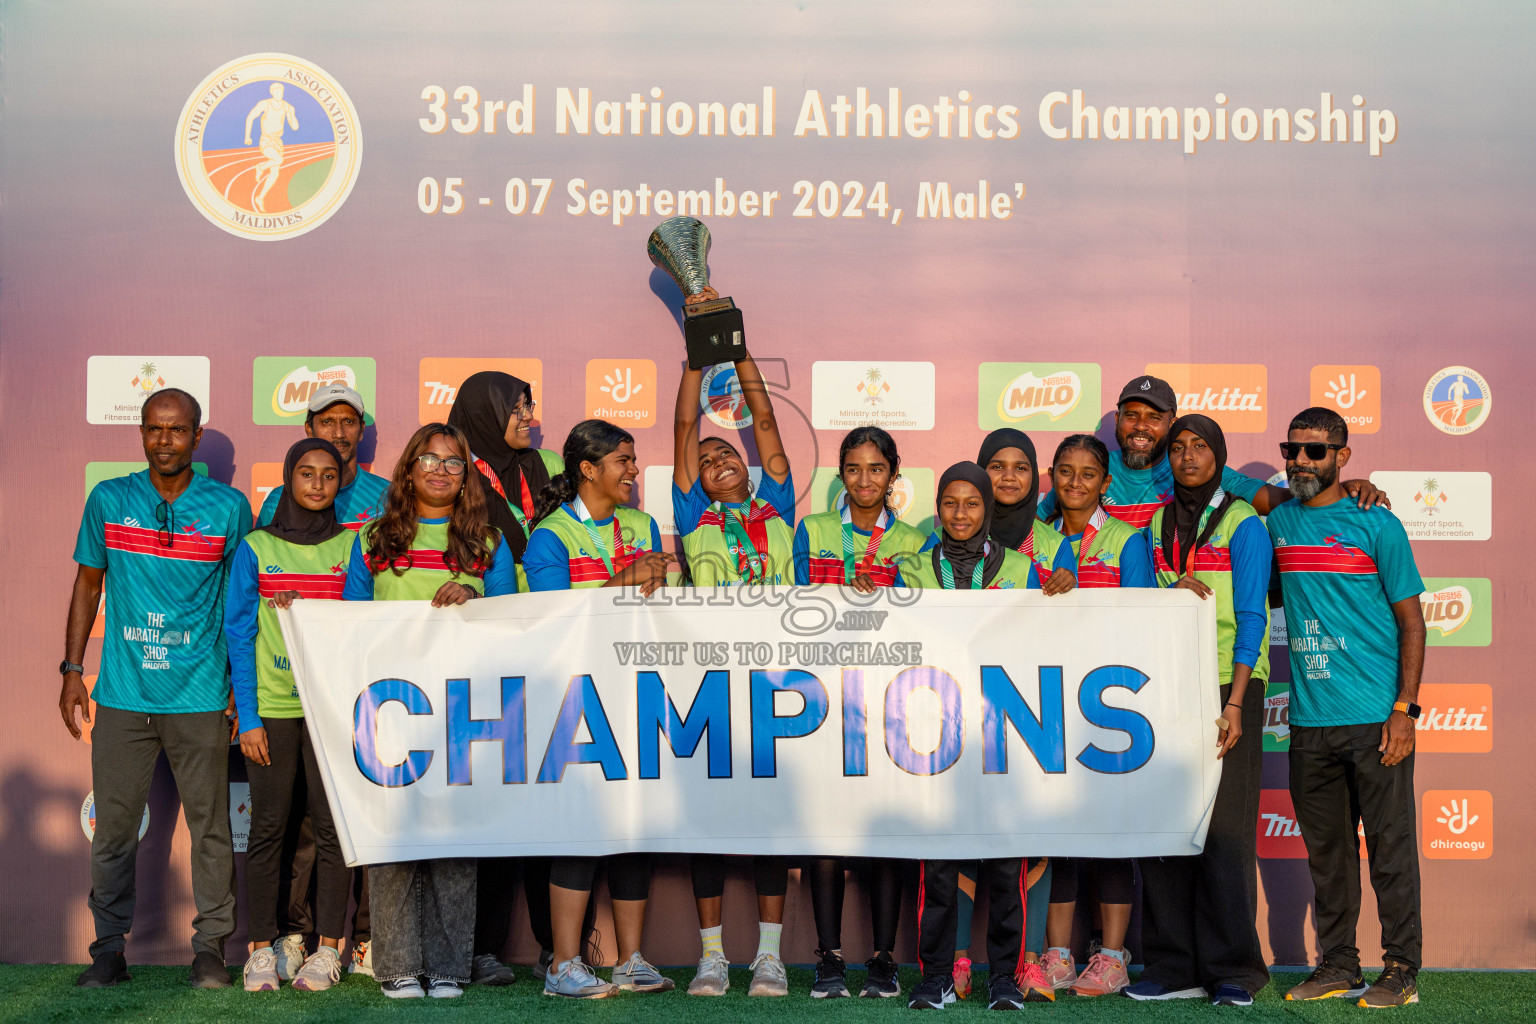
point(938, 887)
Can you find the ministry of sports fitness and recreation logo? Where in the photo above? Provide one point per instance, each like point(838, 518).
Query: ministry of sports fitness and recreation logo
point(1048, 396)
point(268, 146)
point(281, 386)
point(892, 395)
point(1457, 400)
point(116, 386)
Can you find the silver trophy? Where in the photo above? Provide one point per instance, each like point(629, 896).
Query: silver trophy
point(712, 326)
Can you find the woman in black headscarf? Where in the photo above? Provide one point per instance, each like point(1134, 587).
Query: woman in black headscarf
point(1008, 456)
point(302, 553)
point(495, 412)
point(1198, 932)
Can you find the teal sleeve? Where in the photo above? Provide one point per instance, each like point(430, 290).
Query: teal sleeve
point(91, 542)
point(1394, 560)
point(269, 507)
point(1244, 487)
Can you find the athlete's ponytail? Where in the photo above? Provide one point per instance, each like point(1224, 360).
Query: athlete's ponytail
point(588, 441)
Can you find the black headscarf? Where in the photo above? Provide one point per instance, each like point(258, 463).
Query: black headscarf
point(964, 554)
point(293, 522)
point(1012, 523)
point(1188, 502)
point(482, 409)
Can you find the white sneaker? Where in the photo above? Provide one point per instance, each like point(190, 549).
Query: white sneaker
point(290, 955)
point(261, 971)
point(441, 988)
point(768, 977)
point(637, 975)
point(402, 988)
point(320, 971)
point(713, 978)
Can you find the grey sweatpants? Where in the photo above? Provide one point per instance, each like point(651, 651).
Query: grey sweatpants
point(124, 748)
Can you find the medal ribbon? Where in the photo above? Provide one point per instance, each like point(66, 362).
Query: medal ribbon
point(870, 550)
point(490, 474)
point(738, 540)
point(947, 574)
point(586, 520)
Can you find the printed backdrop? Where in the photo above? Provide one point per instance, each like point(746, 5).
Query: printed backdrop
point(938, 219)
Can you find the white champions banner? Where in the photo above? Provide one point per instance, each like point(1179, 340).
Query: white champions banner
point(765, 720)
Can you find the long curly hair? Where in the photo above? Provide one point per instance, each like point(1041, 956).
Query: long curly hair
point(471, 538)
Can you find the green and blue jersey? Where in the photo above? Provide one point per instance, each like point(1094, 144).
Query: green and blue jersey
point(1135, 495)
point(424, 569)
point(356, 503)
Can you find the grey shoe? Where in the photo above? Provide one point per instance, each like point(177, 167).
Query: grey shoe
point(575, 980)
point(713, 977)
point(320, 971)
point(636, 975)
point(485, 969)
point(768, 977)
point(290, 955)
point(260, 974)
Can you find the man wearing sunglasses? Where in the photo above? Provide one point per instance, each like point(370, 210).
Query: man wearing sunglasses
point(162, 540)
point(1351, 592)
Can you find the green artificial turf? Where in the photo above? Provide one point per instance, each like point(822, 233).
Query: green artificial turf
point(160, 994)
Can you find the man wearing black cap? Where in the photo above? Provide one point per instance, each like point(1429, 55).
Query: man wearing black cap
point(1141, 481)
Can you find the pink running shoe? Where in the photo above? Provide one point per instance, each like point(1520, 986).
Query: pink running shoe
point(1104, 976)
point(962, 978)
point(1059, 970)
point(1034, 984)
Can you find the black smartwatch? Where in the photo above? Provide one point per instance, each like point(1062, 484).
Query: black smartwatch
point(1408, 708)
point(66, 667)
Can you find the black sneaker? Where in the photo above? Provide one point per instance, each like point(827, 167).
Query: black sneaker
point(1396, 985)
point(1329, 982)
point(208, 971)
point(541, 967)
point(831, 977)
point(1003, 994)
point(485, 969)
point(934, 992)
point(881, 983)
point(106, 970)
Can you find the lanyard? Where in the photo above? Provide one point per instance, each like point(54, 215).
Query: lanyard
point(749, 563)
point(586, 520)
point(1090, 534)
point(870, 549)
point(522, 479)
point(947, 575)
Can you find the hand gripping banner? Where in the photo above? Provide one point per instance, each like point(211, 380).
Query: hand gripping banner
point(765, 720)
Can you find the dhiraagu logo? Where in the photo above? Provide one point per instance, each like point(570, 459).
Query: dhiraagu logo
point(1044, 396)
point(281, 386)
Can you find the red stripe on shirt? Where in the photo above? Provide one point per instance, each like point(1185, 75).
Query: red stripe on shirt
point(1135, 515)
point(585, 569)
point(192, 547)
point(321, 586)
point(1207, 559)
point(423, 558)
point(1097, 574)
point(1311, 558)
point(830, 570)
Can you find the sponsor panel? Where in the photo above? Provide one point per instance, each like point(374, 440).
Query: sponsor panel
point(911, 494)
point(1236, 395)
point(1353, 392)
point(268, 146)
point(1038, 396)
point(889, 395)
point(439, 378)
point(1279, 835)
point(281, 386)
point(240, 815)
point(622, 391)
point(1458, 824)
point(116, 386)
point(1455, 718)
point(1277, 717)
point(1457, 400)
point(1440, 506)
point(266, 477)
point(1458, 612)
point(88, 817)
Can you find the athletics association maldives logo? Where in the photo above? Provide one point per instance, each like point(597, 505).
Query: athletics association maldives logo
point(722, 399)
point(1457, 400)
point(268, 146)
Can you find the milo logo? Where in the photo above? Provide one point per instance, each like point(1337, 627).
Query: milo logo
point(1447, 610)
point(1458, 612)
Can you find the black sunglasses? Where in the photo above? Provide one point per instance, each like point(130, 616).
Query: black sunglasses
point(1315, 449)
point(165, 515)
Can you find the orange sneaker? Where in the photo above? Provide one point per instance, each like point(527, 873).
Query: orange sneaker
point(1105, 975)
point(962, 978)
point(1059, 970)
point(1034, 984)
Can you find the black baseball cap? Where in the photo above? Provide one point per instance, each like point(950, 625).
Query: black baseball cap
point(1154, 391)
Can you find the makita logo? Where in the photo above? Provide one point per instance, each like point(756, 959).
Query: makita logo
point(1452, 720)
point(1457, 718)
point(1226, 400)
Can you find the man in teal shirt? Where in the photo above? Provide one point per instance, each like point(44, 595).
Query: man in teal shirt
point(1351, 592)
point(336, 415)
point(161, 541)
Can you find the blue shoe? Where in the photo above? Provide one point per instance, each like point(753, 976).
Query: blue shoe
point(1151, 991)
point(575, 980)
point(1231, 995)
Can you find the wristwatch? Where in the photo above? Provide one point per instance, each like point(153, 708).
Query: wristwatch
point(1408, 708)
point(66, 667)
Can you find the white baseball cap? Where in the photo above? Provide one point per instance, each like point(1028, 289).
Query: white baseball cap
point(325, 397)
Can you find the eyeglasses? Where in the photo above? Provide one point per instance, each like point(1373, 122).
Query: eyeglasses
point(453, 464)
point(165, 515)
point(524, 408)
point(1315, 449)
